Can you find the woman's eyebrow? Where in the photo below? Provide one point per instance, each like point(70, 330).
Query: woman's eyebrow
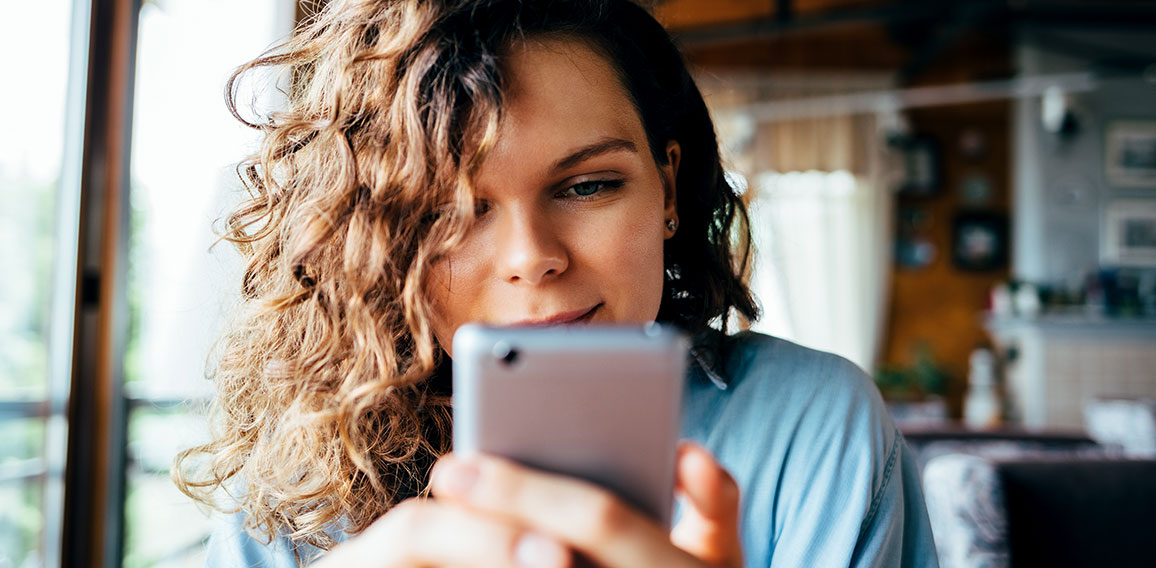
point(601, 147)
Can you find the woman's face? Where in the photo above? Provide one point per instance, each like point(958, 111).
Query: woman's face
point(573, 206)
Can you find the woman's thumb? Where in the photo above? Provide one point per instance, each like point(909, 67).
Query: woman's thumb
point(709, 528)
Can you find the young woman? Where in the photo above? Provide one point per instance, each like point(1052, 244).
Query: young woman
point(503, 161)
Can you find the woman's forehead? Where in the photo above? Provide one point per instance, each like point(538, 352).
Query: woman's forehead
point(561, 95)
point(554, 66)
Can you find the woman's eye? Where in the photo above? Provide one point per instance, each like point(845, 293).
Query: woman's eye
point(589, 189)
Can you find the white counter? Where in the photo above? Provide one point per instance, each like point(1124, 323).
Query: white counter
point(1056, 362)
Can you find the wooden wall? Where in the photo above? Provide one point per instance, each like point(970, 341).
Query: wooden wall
point(680, 14)
point(940, 305)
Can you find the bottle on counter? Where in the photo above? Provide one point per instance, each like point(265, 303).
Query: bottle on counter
point(1027, 300)
point(983, 406)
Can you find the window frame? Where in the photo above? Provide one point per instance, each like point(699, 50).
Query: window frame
point(93, 520)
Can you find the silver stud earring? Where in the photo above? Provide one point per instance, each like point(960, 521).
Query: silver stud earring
point(672, 225)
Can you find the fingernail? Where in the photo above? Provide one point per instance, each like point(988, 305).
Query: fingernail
point(458, 477)
point(538, 551)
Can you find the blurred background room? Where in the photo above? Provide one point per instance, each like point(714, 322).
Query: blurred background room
point(958, 196)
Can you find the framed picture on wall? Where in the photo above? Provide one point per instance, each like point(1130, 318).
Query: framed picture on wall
point(979, 240)
point(920, 171)
point(1130, 153)
point(913, 245)
point(1129, 233)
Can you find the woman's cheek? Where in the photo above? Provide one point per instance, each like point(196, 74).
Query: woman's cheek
point(455, 283)
point(637, 249)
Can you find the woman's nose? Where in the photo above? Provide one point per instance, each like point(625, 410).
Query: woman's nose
point(531, 251)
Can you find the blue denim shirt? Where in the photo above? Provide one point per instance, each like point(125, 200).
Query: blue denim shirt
point(825, 477)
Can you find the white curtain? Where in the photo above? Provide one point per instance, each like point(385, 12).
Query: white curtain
point(823, 259)
point(820, 206)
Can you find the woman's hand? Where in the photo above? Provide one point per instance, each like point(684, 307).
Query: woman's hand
point(709, 527)
point(492, 512)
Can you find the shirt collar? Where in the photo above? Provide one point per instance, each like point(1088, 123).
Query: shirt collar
point(706, 355)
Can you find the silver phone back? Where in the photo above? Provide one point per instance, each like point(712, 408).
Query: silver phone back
point(597, 403)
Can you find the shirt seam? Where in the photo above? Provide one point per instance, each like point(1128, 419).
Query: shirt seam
point(887, 470)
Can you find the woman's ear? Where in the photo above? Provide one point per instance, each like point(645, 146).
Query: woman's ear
point(669, 184)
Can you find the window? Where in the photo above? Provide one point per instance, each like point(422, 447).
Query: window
point(185, 147)
point(39, 189)
point(64, 129)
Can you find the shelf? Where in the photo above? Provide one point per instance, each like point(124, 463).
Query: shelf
point(1072, 324)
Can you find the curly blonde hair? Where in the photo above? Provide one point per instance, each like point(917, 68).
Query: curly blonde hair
point(326, 414)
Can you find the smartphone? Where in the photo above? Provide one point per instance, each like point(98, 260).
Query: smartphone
point(598, 403)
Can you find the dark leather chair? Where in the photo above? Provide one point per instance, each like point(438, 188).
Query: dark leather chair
point(1080, 511)
point(1047, 502)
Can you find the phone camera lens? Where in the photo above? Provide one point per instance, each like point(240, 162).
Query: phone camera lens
point(505, 352)
point(511, 357)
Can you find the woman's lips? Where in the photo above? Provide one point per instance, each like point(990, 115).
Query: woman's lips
point(576, 316)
